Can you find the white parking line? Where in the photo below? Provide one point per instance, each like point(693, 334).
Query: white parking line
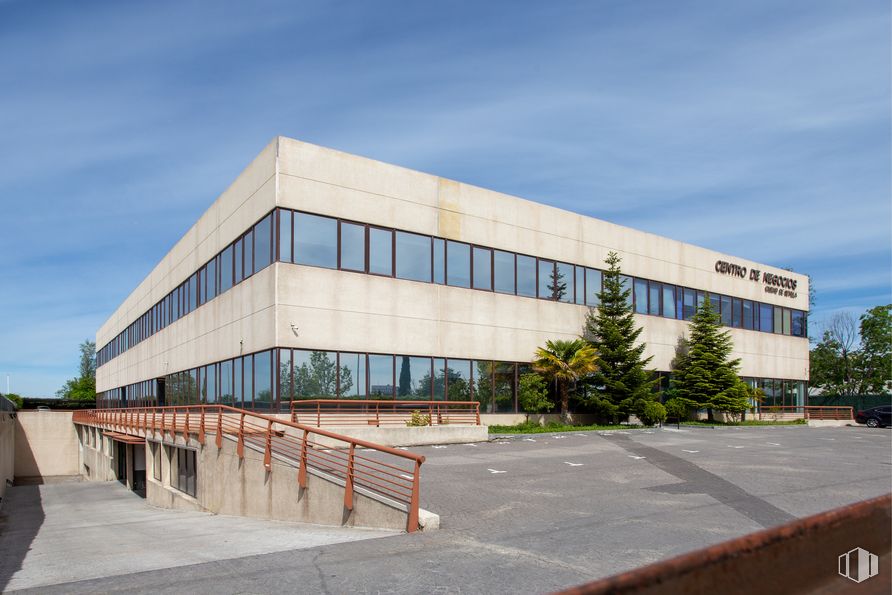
point(438, 446)
point(528, 440)
point(732, 446)
point(636, 457)
point(573, 464)
point(494, 471)
point(558, 437)
point(773, 443)
point(690, 451)
point(474, 445)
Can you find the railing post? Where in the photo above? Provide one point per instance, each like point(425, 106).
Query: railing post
point(201, 428)
point(219, 438)
point(268, 452)
point(173, 425)
point(430, 414)
point(186, 427)
point(477, 407)
point(240, 449)
point(302, 472)
point(154, 427)
point(377, 415)
point(163, 422)
point(412, 521)
point(348, 486)
point(318, 414)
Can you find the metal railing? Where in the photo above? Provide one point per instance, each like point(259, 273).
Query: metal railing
point(376, 413)
point(393, 474)
point(781, 412)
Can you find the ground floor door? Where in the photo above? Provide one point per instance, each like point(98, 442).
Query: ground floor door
point(121, 460)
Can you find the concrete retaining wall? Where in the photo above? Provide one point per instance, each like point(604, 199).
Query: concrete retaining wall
point(7, 450)
point(243, 487)
point(405, 436)
point(46, 444)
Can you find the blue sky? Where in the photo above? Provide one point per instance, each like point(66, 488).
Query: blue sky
point(757, 128)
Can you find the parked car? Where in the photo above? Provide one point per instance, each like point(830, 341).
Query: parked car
point(875, 417)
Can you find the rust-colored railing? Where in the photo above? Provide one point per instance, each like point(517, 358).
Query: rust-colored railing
point(348, 412)
point(806, 412)
point(383, 471)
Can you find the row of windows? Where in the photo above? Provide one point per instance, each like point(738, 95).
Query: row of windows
point(270, 380)
point(251, 252)
point(315, 240)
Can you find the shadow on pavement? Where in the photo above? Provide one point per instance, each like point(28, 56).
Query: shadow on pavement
point(20, 519)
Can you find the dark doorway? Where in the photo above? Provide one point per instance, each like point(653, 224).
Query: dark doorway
point(121, 456)
point(162, 400)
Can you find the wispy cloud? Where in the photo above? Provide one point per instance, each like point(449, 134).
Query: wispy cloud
point(754, 128)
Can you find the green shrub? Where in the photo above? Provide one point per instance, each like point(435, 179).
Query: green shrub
point(16, 400)
point(677, 408)
point(418, 419)
point(532, 394)
point(652, 413)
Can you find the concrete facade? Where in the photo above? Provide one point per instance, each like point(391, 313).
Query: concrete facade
point(7, 450)
point(45, 444)
point(339, 310)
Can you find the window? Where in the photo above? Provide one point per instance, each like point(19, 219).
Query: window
point(285, 244)
point(156, 461)
point(413, 256)
point(183, 479)
point(439, 261)
point(798, 323)
point(315, 374)
point(380, 251)
point(690, 307)
point(458, 380)
point(483, 385)
point(715, 303)
point(547, 273)
point(263, 389)
point(778, 320)
point(247, 382)
point(766, 318)
point(212, 279)
point(625, 283)
point(482, 268)
point(351, 373)
point(226, 383)
point(226, 268)
point(526, 275)
point(565, 282)
point(786, 321)
point(381, 376)
point(592, 286)
point(737, 313)
point(413, 377)
point(237, 260)
point(248, 247)
point(503, 267)
point(458, 264)
point(315, 240)
point(727, 318)
point(640, 296)
point(653, 298)
point(668, 292)
point(579, 295)
point(263, 247)
point(439, 382)
point(352, 247)
point(237, 388)
point(503, 387)
point(747, 315)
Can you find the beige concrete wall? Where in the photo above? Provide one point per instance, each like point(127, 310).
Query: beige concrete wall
point(46, 444)
point(7, 450)
point(228, 485)
point(334, 183)
point(405, 436)
point(336, 310)
point(96, 454)
point(247, 199)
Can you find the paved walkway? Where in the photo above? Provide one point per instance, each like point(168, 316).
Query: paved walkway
point(63, 532)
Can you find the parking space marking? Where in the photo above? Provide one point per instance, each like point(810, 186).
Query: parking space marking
point(438, 446)
point(690, 451)
point(773, 443)
point(558, 437)
point(635, 457)
point(494, 471)
point(733, 446)
point(573, 464)
point(528, 440)
point(471, 444)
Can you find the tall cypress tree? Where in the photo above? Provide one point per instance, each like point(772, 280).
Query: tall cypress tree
point(622, 384)
point(705, 377)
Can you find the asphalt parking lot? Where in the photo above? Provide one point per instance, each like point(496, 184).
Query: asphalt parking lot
point(531, 514)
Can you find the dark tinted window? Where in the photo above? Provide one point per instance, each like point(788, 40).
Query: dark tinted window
point(237, 262)
point(504, 271)
point(766, 318)
point(458, 264)
point(352, 247)
point(748, 314)
point(669, 301)
point(413, 256)
point(248, 243)
point(351, 372)
point(592, 286)
point(263, 389)
point(381, 376)
point(315, 240)
point(737, 313)
point(653, 298)
point(798, 323)
point(212, 280)
point(726, 310)
point(226, 269)
point(482, 268)
point(690, 304)
point(547, 273)
point(566, 282)
point(413, 377)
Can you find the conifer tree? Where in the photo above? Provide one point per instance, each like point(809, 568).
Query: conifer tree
point(704, 376)
point(622, 384)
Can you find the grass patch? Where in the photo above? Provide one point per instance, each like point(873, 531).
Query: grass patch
point(529, 427)
point(748, 422)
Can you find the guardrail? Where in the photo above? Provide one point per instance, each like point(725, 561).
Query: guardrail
point(806, 412)
point(348, 412)
point(7, 405)
point(395, 478)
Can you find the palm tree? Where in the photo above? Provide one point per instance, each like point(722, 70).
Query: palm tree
point(565, 362)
